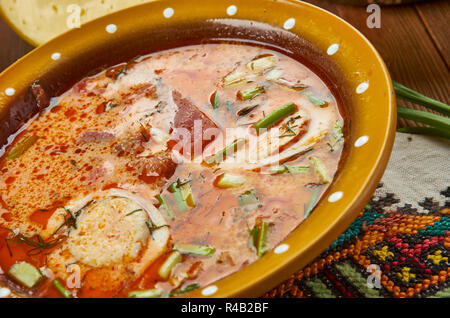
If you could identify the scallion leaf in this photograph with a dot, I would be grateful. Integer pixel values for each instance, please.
(430, 131)
(427, 118)
(408, 94)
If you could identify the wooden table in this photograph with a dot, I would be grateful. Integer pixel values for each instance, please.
(414, 41)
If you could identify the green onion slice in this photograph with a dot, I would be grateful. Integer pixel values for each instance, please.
(61, 289)
(227, 180)
(261, 247)
(316, 100)
(321, 170)
(149, 293)
(289, 169)
(227, 151)
(23, 146)
(276, 116)
(312, 201)
(166, 268)
(261, 63)
(194, 249)
(248, 201)
(250, 93)
(184, 290)
(258, 238)
(234, 77)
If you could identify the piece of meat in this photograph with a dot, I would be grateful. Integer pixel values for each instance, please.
(155, 168)
(130, 146)
(186, 117)
(95, 136)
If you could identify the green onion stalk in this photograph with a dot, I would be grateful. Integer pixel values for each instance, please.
(437, 125)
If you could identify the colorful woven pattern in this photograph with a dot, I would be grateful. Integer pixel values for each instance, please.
(384, 253)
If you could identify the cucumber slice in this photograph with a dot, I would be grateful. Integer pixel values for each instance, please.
(25, 274)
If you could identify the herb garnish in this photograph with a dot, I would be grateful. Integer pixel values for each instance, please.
(74, 164)
(214, 100)
(38, 244)
(144, 132)
(153, 227)
(116, 74)
(71, 220)
(257, 237)
(109, 105)
(316, 100)
(133, 212)
(312, 201)
(296, 155)
(184, 290)
(246, 110)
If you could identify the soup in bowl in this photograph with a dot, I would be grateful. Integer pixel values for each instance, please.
(160, 167)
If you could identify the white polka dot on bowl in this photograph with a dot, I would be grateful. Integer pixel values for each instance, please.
(280, 249)
(289, 24)
(361, 141)
(10, 91)
(362, 87)
(333, 49)
(210, 290)
(111, 28)
(231, 10)
(4, 292)
(56, 56)
(336, 196)
(168, 12)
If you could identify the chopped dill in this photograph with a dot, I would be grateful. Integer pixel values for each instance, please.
(133, 212)
(38, 244)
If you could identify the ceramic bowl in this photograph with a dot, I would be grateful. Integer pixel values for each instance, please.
(329, 45)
